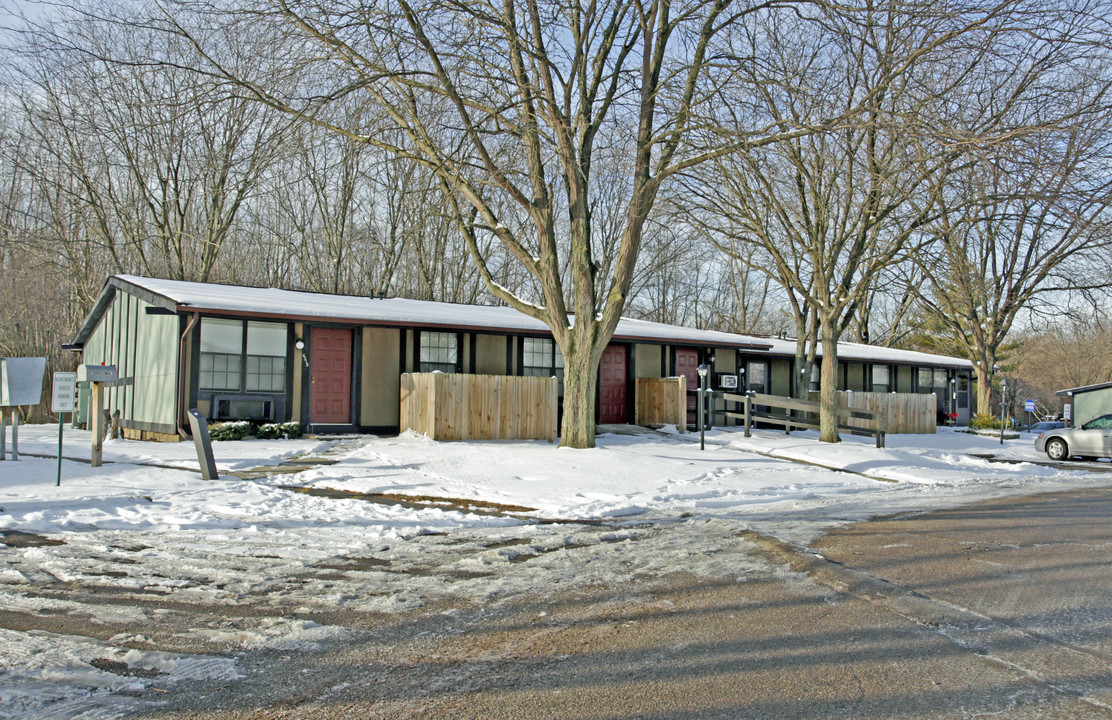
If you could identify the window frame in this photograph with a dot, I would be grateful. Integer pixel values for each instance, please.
(554, 365)
(455, 366)
(243, 357)
(880, 387)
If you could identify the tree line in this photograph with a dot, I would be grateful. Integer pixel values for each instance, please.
(924, 175)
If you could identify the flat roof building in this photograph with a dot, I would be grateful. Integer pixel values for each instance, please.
(334, 362)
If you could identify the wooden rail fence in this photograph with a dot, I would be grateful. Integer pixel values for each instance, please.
(852, 420)
(450, 406)
(661, 401)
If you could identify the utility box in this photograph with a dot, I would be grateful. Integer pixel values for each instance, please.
(84, 397)
(21, 381)
(725, 381)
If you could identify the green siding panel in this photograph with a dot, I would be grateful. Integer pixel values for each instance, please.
(156, 367)
(781, 380)
(144, 350)
(1094, 403)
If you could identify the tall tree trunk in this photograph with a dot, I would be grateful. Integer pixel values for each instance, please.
(828, 391)
(577, 428)
(982, 369)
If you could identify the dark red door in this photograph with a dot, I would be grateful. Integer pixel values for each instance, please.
(330, 369)
(687, 365)
(612, 385)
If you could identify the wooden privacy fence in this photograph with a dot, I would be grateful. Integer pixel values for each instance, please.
(448, 406)
(851, 420)
(903, 412)
(661, 401)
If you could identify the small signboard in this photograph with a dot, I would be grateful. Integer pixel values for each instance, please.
(1067, 412)
(63, 397)
(97, 373)
(21, 381)
(1029, 405)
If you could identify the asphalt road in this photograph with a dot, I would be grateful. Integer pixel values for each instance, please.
(1001, 609)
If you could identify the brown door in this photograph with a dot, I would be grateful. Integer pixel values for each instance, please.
(612, 385)
(330, 369)
(687, 365)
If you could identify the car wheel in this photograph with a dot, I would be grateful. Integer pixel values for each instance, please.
(1056, 449)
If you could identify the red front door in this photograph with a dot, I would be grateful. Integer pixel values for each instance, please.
(687, 365)
(612, 385)
(330, 370)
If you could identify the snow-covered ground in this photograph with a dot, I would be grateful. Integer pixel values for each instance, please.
(145, 527)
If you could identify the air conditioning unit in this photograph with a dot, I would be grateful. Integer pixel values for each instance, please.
(725, 381)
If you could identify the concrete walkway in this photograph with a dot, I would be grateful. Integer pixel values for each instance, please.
(1001, 609)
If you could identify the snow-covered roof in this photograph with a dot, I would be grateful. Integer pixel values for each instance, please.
(851, 351)
(1084, 389)
(273, 302)
(177, 295)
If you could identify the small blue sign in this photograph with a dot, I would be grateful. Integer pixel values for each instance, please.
(1029, 406)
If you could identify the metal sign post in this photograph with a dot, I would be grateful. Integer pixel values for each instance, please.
(1003, 407)
(1029, 406)
(702, 370)
(63, 399)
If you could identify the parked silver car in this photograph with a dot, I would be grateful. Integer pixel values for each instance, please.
(1091, 440)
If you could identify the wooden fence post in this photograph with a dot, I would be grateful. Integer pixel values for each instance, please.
(96, 423)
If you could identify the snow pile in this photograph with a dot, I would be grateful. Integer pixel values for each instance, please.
(389, 524)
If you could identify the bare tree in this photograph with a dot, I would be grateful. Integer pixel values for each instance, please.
(1022, 226)
(834, 210)
(1067, 352)
(157, 160)
(505, 104)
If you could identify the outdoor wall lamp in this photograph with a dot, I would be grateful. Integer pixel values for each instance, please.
(300, 344)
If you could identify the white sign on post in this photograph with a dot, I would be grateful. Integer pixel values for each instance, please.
(20, 384)
(63, 396)
(21, 380)
(1067, 412)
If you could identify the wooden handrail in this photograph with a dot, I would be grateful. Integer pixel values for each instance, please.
(873, 427)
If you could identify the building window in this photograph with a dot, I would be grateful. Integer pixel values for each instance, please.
(439, 351)
(881, 379)
(756, 374)
(229, 346)
(266, 357)
(937, 381)
(541, 357)
(815, 383)
(220, 371)
(221, 354)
